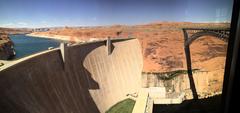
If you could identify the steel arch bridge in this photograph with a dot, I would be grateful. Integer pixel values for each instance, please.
(191, 34)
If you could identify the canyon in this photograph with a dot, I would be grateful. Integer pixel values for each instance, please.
(161, 42)
(103, 65)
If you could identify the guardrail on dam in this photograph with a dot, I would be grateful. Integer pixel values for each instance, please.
(90, 80)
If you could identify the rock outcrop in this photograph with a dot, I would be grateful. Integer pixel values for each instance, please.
(6, 47)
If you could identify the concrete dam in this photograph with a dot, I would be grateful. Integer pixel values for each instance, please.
(85, 78)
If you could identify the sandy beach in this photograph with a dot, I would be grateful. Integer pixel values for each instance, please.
(57, 37)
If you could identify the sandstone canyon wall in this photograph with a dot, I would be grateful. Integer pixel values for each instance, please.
(6, 47)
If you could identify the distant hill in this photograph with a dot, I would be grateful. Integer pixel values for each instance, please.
(16, 30)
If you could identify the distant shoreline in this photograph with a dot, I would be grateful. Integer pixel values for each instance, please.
(56, 37)
(63, 38)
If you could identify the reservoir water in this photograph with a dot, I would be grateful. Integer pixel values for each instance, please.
(27, 45)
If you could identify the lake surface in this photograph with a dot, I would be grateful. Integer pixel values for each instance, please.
(27, 45)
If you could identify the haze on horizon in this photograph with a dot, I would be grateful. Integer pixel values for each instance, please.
(55, 13)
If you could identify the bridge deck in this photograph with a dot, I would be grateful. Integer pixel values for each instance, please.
(210, 28)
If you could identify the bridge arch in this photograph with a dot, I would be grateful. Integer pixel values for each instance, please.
(222, 34)
(205, 33)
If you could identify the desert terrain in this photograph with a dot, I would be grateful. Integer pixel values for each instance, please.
(162, 43)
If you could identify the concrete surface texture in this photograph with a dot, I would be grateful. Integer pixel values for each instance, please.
(141, 102)
(206, 83)
(89, 81)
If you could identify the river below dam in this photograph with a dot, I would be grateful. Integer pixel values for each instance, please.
(27, 45)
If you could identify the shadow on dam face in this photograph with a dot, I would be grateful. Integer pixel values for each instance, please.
(89, 81)
(10, 104)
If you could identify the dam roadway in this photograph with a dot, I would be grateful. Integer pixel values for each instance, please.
(88, 80)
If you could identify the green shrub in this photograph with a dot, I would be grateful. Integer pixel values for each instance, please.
(124, 106)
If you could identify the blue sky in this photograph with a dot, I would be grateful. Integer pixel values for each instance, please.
(51, 13)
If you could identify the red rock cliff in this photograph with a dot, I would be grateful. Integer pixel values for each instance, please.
(6, 47)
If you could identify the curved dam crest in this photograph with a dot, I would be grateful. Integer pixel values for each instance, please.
(88, 81)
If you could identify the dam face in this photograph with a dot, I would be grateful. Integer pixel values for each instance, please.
(89, 80)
